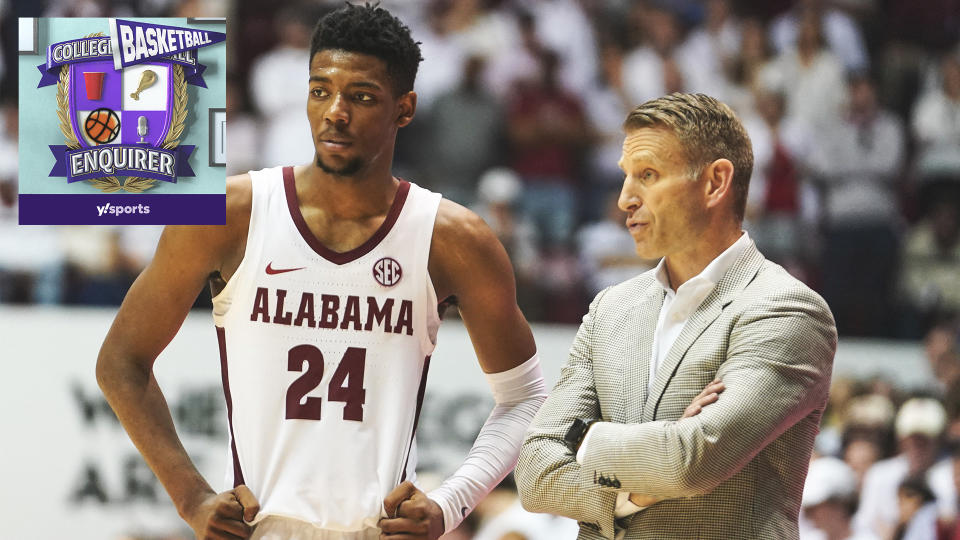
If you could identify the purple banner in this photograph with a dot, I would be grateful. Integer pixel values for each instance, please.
(68, 52)
(126, 209)
(121, 160)
(134, 42)
(78, 50)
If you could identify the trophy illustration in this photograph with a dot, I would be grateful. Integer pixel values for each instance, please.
(146, 81)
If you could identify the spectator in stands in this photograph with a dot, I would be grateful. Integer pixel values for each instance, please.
(443, 55)
(607, 253)
(810, 76)
(654, 68)
(279, 90)
(563, 27)
(467, 136)
(744, 70)
(548, 133)
(780, 203)
(829, 501)
(919, 425)
(99, 270)
(936, 123)
(930, 265)
(841, 32)
(499, 194)
(511, 522)
(858, 163)
(606, 107)
(714, 45)
(949, 527)
(917, 510)
(867, 433)
(31, 258)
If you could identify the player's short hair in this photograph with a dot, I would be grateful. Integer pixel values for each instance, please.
(707, 129)
(370, 29)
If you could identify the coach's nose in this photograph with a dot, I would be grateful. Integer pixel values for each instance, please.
(629, 199)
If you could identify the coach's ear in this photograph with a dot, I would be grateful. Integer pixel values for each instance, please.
(719, 185)
(406, 108)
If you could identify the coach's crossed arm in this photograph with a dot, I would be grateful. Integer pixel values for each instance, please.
(777, 372)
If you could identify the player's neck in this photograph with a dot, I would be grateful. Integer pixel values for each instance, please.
(366, 194)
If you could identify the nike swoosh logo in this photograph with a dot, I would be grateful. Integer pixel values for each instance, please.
(271, 270)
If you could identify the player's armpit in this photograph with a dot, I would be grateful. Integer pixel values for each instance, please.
(468, 261)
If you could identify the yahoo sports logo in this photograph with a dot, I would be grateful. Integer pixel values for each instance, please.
(387, 272)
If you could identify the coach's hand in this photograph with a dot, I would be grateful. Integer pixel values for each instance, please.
(222, 516)
(411, 515)
(709, 395)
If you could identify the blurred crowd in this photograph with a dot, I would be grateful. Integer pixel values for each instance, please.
(853, 107)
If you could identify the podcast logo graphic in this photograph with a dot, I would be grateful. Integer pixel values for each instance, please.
(122, 104)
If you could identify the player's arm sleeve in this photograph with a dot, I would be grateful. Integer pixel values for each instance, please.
(518, 393)
(548, 476)
(777, 372)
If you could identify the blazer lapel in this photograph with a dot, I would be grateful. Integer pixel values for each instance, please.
(636, 370)
(734, 281)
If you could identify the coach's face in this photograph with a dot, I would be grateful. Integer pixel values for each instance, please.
(666, 208)
(354, 112)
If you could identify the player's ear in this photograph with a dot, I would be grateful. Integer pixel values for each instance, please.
(406, 107)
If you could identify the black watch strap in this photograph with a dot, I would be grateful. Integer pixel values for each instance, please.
(576, 433)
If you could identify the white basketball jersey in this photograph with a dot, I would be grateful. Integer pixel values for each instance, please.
(324, 358)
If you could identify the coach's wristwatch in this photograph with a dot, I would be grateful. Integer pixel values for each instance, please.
(576, 433)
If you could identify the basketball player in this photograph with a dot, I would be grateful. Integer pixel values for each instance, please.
(326, 282)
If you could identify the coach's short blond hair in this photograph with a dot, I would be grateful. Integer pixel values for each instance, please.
(707, 129)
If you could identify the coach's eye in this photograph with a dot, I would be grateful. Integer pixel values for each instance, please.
(319, 92)
(363, 96)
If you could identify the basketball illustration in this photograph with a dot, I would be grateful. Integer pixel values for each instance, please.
(102, 125)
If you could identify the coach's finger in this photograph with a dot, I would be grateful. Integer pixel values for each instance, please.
(397, 496)
(715, 387)
(249, 502)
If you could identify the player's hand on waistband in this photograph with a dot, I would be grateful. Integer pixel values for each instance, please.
(223, 516)
(412, 515)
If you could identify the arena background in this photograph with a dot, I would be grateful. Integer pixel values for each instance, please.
(885, 254)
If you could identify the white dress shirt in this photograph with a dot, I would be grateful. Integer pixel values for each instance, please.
(676, 310)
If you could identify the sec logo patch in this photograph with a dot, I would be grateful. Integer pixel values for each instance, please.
(387, 272)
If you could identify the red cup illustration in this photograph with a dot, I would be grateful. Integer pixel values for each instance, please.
(94, 84)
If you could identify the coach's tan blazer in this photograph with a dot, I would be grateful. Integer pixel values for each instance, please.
(736, 470)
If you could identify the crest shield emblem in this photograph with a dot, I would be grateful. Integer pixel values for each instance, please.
(142, 106)
(140, 97)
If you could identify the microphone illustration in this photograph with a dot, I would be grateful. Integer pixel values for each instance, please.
(142, 127)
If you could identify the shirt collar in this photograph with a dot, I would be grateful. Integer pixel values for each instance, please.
(714, 271)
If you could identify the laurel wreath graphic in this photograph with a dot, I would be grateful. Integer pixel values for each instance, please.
(111, 184)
